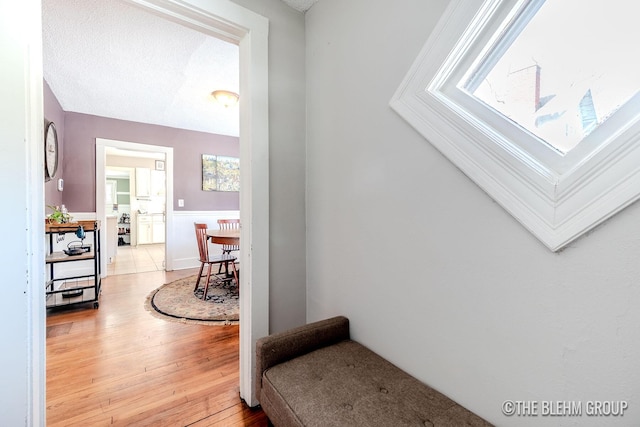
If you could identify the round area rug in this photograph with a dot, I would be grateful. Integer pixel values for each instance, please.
(176, 301)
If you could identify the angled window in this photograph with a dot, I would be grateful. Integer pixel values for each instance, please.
(537, 101)
(549, 78)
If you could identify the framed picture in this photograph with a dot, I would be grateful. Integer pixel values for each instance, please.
(220, 173)
(159, 165)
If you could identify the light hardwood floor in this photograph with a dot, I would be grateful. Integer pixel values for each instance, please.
(118, 365)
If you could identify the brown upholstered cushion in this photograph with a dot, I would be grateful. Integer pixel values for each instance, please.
(346, 384)
(286, 345)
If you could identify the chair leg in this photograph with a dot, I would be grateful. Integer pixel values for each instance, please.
(226, 266)
(199, 276)
(235, 274)
(206, 285)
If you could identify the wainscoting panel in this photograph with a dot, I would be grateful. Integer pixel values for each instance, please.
(185, 250)
(183, 241)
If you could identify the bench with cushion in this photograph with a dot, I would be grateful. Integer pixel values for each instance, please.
(315, 375)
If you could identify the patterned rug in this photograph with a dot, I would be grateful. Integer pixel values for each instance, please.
(177, 302)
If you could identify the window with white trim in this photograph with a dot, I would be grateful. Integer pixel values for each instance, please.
(537, 101)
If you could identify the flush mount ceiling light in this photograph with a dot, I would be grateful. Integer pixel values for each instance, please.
(225, 97)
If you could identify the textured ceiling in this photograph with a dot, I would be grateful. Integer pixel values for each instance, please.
(109, 58)
(113, 59)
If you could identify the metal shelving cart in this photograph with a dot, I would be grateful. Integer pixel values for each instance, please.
(79, 286)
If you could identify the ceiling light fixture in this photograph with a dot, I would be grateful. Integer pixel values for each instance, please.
(225, 97)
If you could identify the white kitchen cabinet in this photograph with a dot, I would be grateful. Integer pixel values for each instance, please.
(145, 229)
(151, 229)
(157, 184)
(158, 229)
(110, 191)
(143, 182)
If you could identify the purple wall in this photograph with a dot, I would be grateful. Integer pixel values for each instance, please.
(78, 165)
(53, 113)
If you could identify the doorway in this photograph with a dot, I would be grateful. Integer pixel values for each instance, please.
(147, 218)
(136, 228)
(250, 30)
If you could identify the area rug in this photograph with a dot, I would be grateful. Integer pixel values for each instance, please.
(177, 302)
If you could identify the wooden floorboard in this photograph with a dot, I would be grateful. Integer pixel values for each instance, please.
(118, 365)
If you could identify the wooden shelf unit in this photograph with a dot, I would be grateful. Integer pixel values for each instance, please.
(71, 289)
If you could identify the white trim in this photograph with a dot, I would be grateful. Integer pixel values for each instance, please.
(101, 159)
(34, 176)
(556, 198)
(231, 214)
(254, 200)
(234, 23)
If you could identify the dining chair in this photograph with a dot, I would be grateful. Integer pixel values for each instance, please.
(228, 224)
(206, 258)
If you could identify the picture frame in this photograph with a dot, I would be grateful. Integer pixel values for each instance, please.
(220, 173)
(159, 165)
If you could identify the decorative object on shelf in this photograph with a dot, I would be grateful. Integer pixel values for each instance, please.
(60, 215)
(220, 173)
(73, 248)
(50, 151)
(226, 97)
(80, 233)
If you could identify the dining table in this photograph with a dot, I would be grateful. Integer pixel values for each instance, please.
(224, 237)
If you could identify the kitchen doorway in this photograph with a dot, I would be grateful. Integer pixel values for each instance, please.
(138, 222)
(135, 223)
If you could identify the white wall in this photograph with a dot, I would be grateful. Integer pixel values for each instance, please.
(287, 242)
(22, 256)
(432, 273)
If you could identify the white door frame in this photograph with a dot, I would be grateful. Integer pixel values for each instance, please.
(101, 177)
(231, 22)
(234, 23)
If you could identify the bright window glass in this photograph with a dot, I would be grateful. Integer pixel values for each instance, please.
(562, 71)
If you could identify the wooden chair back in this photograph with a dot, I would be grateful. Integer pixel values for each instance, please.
(203, 245)
(229, 224)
